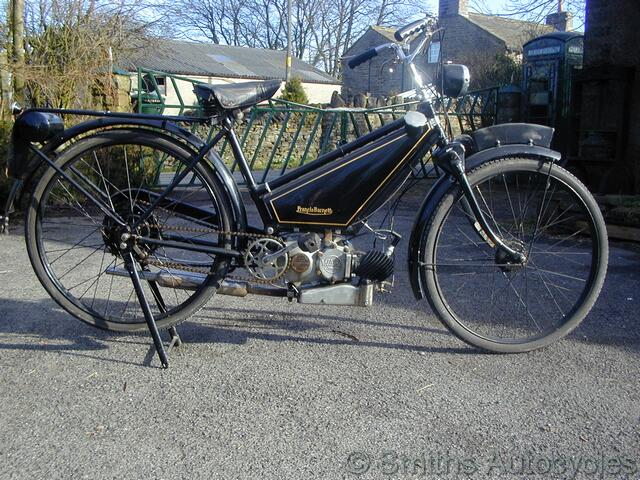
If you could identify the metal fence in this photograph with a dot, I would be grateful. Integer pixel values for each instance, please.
(278, 135)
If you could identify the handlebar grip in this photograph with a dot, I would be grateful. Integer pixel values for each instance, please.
(363, 57)
(411, 29)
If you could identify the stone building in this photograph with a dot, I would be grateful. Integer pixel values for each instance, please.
(470, 38)
(609, 97)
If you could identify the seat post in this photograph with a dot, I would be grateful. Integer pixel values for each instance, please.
(245, 170)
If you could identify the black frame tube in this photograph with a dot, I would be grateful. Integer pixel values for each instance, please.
(105, 209)
(176, 181)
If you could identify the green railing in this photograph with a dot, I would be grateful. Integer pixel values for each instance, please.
(148, 96)
(278, 136)
(476, 109)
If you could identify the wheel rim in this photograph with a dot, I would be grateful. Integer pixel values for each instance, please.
(75, 244)
(496, 301)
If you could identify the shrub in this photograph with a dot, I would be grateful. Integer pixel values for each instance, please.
(294, 92)
(5, 183)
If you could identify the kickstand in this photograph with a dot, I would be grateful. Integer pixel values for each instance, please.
(148, 316)
(175, 341)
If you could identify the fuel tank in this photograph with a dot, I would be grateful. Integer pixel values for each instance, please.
(343, 191)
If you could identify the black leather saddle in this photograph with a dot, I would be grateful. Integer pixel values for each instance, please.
(235, 95)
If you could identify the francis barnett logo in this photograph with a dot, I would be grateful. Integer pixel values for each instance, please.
(314, 210)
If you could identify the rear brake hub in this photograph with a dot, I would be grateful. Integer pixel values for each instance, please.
(121, 240)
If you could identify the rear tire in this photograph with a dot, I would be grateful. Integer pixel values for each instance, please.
(501, 307)
(59, 215)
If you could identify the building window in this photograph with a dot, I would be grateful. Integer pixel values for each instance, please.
(162, 85)
(148, 86)
(433, 54)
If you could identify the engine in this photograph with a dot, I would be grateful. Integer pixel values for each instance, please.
(316, 260)
(313, 260)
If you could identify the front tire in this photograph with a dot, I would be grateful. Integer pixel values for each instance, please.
(540, 209)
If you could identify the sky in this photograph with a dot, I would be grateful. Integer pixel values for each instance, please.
(496, 6)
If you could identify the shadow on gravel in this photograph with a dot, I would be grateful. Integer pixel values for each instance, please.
(219, 329)
(43, 326)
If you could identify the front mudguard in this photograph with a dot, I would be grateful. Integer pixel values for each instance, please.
(440, 189)
(23, 184)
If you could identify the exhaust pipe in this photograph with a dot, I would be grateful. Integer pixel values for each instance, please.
(182, 280)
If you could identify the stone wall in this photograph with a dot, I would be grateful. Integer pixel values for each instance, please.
(373, 77)
(611, 90)
(465, 42)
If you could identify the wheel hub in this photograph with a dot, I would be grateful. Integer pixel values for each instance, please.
(121, 240)
(509, 262)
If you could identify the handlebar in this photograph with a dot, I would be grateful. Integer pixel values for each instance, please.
(363, 57)
(401, 35)
(413, 28)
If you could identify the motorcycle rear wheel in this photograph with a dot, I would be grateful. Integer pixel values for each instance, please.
(72, 245)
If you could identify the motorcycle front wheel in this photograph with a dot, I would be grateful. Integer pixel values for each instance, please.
(487, 300)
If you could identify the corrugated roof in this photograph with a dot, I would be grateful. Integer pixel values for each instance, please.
(513, 32)
(208, 59)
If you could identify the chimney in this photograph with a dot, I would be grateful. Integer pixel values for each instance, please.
(451, 8)
(560, 21)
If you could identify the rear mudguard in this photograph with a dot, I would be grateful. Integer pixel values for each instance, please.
(442, 186)
(159, 127)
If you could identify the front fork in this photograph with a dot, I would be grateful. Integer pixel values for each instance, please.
(451, 159)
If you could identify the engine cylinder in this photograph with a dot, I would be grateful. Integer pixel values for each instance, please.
(375, 266)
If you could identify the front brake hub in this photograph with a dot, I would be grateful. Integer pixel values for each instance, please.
(507, 261)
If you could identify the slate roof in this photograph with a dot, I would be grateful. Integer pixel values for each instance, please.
(208, 59)
(386, 32)
(513, 32)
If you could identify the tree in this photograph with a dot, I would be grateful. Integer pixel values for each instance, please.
(17, 42)
(322, 30)
(73, 45)
(294, 92)
(490, 70)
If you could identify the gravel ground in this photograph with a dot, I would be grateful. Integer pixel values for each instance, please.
(269, 390)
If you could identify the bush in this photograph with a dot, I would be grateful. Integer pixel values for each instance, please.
(493, 70)
(5, 183)
(294, 92)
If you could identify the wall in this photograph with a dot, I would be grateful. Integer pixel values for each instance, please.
(373, 76)
(611, 38)
(467, 43)
(464, 42)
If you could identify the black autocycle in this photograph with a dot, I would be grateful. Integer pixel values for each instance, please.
(509, 248)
